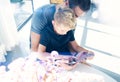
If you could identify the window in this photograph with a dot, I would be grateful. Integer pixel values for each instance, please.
(23, 10)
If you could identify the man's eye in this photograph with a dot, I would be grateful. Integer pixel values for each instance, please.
(76, 15)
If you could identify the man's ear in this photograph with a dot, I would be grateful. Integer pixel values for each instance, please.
(66, 2)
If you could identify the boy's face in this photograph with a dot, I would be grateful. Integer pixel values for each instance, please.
(60, 28)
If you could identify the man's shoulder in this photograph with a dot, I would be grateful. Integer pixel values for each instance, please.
(46, 7)
(46, 12)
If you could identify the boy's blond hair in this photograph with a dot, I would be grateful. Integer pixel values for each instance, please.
(66, 17)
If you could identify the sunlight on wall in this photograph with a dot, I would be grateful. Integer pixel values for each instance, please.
(108, 11)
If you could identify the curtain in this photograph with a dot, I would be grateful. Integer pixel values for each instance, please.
(8, 29)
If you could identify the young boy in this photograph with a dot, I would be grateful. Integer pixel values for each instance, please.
(59, 36)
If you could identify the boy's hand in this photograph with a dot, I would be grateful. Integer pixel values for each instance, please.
(83, 56)
(91, 55)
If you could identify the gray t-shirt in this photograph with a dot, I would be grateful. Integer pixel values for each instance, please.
(42, 17)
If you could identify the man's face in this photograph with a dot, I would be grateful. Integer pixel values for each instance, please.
(78, 12)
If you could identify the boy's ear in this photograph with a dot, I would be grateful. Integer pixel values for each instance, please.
(53, 22)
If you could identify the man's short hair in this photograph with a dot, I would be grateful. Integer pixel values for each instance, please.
(65, 16)
(83, 4)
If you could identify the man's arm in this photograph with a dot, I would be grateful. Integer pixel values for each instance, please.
(37, 24)
(35, 38)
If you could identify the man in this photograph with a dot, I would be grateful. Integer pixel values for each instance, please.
(59, 36)
(43, 17)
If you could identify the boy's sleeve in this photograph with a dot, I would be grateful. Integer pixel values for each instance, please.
(71, 34)
(44, 40)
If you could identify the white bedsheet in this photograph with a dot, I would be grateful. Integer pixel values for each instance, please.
(30, 70)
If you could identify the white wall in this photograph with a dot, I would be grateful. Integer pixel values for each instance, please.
(108, 11)
(38, 3)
